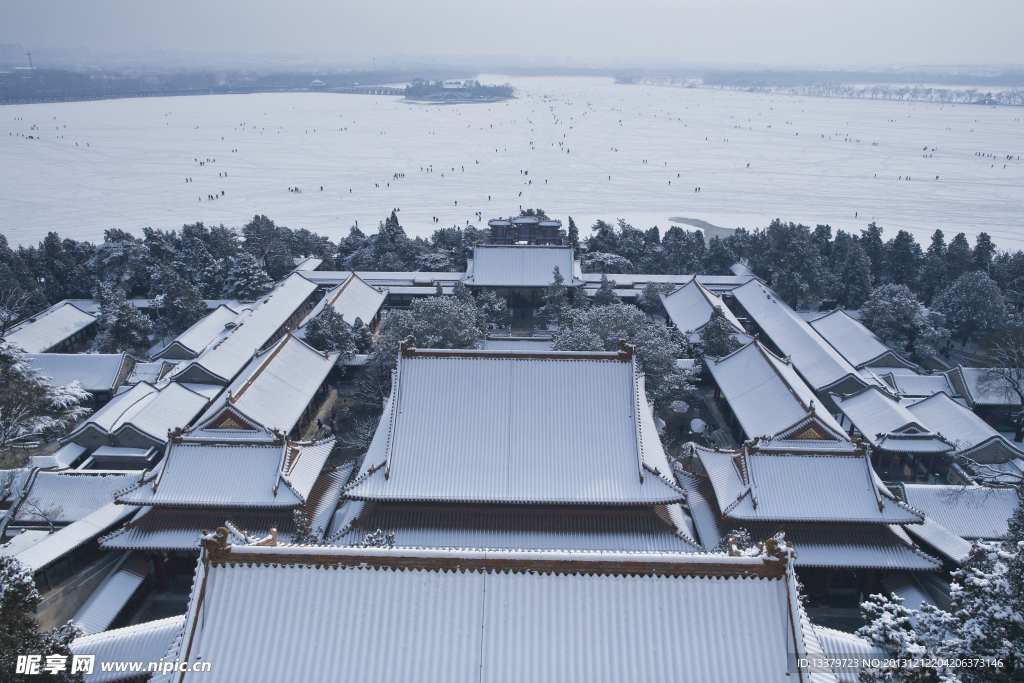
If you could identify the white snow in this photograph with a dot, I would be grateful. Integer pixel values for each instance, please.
(132, 157)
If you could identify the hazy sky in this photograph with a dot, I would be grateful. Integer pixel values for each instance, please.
(743, 32)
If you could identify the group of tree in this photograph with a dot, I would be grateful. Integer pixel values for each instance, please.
(986, 622)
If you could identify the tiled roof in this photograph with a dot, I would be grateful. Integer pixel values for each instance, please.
(856, 343)
(352, 299)
(49, 328)
(960, 426)
(232, 475)
(70, 495)
(971, 512)
(147, 410)
(196, 339)
(888, 425)
(690, 307)
(146, 642)
(753, 377)
(819, 364)
(63, 541)
(537, 529)
(948, 544)
(520, 265)
(221, 362)
(864, 546)
(982, 387)
(751, 486)
(110, 597)
(516, 427)
(274, 389)
(685, 621)
(94, 371)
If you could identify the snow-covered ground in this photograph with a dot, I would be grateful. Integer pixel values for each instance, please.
(593, 149)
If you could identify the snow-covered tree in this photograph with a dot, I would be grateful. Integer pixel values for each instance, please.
(556, 296)
(855, 277)
(493, 307)
(123, 327)
(602, 262)
(657, 347)
(246, 279)
(720, 258)
(379, 539)
(972, 304)
(573, 236)
(716, 339)
(121, 262)
(304, 533)
(907, 635)
(328, 331)
(902, 322)
(605, 295)
(650, 301)
(1005, 351)
(362, 337)
(19, 634)
(435, 261)
(31, 404)
(179, 303)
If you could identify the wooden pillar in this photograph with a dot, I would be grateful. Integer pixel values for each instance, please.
(161, 572)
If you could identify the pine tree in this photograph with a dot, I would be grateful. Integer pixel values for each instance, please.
(720, 258)
(556, 296)
(871, 243)
(246, 279)
(959, 257)
(899, 320)
(606, 292)
(462, 292)
(180, 304)
(493, 307)
(717, 338)
(972, 304)
(902, 260)
(328, 331)
(984, 250)
(362, 337)
(855, 278)
(122, 326)
(574, 237)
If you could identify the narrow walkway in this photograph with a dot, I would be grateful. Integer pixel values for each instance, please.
(311, 430)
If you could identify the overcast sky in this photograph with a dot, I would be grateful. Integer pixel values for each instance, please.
(815, 33)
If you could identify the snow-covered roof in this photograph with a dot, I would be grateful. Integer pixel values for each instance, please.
(145, 642)
(94, 371)
(962, 427)
(70, 495)
(888, 425)
(220, 363)
(517, 427)
(146, 410)
(303, 263)
(274, 389)
(45, 330)
(690, 307)
(543, 529)
(504, 616)
(352, 299)
(981, 387)
(971, 512)
(67, 539)
(752, 486)
(216, 325)
(856, 343)
(497, 265)
(846, 646)
(497, 343)
(113, 593)
(191, 474)
(912, 385)
(948, 544)
(753, 377)
(819, 364)
(386, 279)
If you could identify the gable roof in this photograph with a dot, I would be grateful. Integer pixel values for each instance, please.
(220, 363)
(230, 474)
(45, 330)
(70, 495)
(516, 427)
(889, 425)
(690, 307)
(980, 388)
(970, 512)
(820, 364)
(502, 616)
(909, 384)
(754, 486)
(146, 410)
(960, 426)
(94, 371)
(752, 378)
(205, 331)
(146, 642)
(274, 389)
(498, 265)
(65, 540)
(855, 342)
(352, 299)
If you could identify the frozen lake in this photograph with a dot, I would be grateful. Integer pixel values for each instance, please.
(592, 149)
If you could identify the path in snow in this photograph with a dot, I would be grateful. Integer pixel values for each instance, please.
(124, 163)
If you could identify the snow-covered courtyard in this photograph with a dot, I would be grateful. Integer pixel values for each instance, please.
(592, 149)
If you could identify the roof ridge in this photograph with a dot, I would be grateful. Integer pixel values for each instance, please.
(252, 378)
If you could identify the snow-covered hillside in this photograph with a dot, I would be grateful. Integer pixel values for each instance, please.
(592, 149)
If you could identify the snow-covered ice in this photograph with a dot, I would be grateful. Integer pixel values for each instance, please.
(593, 149)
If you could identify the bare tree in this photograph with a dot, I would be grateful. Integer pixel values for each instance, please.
(49, 514)
(1005, 351)
(7, 483)
(13, 304)
(361, 434)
